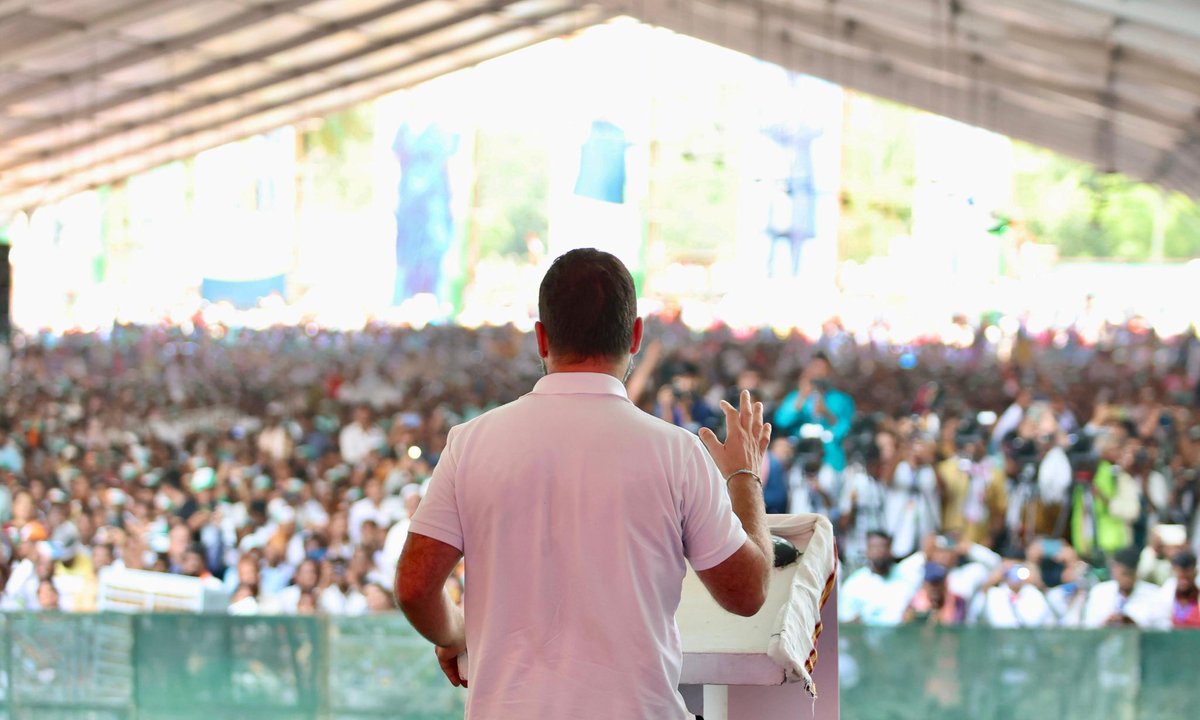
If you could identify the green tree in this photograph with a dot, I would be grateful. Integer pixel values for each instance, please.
(336, 163)
(512, 191)
(1090, 214)
(878, 176)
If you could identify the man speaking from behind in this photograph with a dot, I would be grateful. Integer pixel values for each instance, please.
(575, 512)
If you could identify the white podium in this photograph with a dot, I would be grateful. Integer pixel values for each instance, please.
(755, 668)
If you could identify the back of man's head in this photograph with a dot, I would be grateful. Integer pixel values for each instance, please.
(588, 306)
(1127, 558)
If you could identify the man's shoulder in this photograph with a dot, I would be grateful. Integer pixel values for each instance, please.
(644, 422)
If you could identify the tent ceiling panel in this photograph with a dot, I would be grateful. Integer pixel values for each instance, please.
(500, 40)
(1096, 79)
(188, 18)
(93, 90)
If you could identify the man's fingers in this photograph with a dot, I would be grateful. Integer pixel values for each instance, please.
(745, 411)
(450, 668)
(756, 423)
(731, 416)
(764, 438)
(709, 438)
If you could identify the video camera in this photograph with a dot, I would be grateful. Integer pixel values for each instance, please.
(1025, 455)
(1083, 457)
(810, 454)
(860, 441)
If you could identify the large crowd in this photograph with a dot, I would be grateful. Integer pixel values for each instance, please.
(1010, 479)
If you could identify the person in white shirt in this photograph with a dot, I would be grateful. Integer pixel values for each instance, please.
(1125, 600)
(287, 601)
(1012, 417)
(371, 507)
(361, 437)
(813, 485)
(1069, 600)
(913, 505)
(861, 508)
(575, 513)
(393, 543)
(1011, 601)
(968, 565)
(879, 593)
(340, 597)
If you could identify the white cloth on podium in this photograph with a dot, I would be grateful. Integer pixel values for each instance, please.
(794, 645)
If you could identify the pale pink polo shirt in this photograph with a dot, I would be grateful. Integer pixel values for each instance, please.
(575, 511)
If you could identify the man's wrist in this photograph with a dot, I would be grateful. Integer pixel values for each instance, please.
(743, 473)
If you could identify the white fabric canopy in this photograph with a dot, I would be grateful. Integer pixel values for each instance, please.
(93, 91)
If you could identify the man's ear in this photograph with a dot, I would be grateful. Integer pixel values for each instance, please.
(638, 330)
(543, 343)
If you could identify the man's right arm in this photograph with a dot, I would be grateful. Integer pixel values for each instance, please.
(739, 583)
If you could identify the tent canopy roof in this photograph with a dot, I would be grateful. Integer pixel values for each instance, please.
(92, 91)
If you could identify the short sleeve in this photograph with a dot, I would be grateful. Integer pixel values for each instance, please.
(711, 531)
(437, 515)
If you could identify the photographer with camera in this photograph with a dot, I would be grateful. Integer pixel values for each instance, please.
(1099, 517)
(1040, 479)
(815, 401)
(861, 507)
(913, 506)
(975, 492)
(814, 486)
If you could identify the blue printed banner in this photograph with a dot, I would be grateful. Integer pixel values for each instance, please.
(242, 294)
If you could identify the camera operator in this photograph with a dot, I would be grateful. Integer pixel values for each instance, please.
(913, 505)
(813, 483)
(974, 489)
(861, 507)
(816, 401)
(1095, 527)
(1039, 478)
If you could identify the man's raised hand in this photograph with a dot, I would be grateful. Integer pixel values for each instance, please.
(746, 437)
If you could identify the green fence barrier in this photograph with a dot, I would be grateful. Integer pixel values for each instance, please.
(208, 667)
(927, 673)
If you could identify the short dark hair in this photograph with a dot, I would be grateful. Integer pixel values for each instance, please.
(1127, 557)
(1185, 560)
(879, 534)
(587, 304)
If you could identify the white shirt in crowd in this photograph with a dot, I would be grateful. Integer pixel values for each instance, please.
(356, 443)
(873, 599)
(1143, 606)
(1068, 604)
(393, 543)
(1008, 421)
(1027, 607)
(575, 512)
(332, 601)
(364, 510)
(802, 499)
(963, 580)
(911, 507)
(1054, 475)
(869, 496)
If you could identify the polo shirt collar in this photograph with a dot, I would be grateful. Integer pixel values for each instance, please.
(580, 383)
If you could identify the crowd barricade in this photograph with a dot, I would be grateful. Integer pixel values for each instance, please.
(118, 666)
